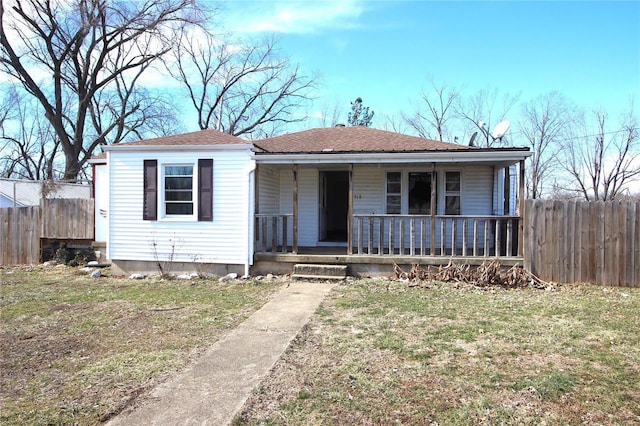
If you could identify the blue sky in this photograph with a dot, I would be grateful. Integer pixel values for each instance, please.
(386, 51)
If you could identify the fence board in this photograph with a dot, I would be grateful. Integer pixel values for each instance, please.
(629, 249)
(597, 242)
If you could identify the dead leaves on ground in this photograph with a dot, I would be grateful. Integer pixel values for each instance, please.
(489, 274)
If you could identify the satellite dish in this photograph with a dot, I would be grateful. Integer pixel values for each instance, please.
(500, 129)
(473, 138)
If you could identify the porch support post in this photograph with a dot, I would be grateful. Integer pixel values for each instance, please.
(295, 209)
(507, 191)
(433, 209)
(350, 213)
(521, 210)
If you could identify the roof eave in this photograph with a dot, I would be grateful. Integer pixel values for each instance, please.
(453, 156)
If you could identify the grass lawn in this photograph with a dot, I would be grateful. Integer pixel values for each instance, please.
(75, 350)
(386, 353)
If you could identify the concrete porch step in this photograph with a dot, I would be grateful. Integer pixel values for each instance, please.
(319, 272)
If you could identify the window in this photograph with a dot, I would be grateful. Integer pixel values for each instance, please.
(416, 194)
(178, 190)
(452, 193)
(394, 193)
(419, 193)
(183, 189)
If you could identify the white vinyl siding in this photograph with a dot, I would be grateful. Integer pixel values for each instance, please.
(477, 190)
(368, 190)
(223, 240)
(268, 189)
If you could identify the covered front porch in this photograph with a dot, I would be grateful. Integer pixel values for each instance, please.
(291, 201)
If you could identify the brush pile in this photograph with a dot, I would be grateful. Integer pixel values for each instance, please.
(489, 274)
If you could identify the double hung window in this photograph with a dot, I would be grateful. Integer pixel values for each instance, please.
(394, 193)
(452, 193)
(178, 190)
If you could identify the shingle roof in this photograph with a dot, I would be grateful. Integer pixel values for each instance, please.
(200, 137)
(351, 139)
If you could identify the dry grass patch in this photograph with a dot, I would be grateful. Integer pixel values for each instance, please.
(76, 350)
(387, 353)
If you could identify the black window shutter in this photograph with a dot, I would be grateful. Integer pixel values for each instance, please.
(205, 189)
(150, 203)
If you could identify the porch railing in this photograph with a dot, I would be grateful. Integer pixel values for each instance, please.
(271, 232)
(413, 235)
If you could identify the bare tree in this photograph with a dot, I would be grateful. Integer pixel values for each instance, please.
(544, 119)
(603, 162)
(330, 115)
(71, 56)
(483, 110)
(28, 144)
(238, 88)
(393, 123)
(434, 111)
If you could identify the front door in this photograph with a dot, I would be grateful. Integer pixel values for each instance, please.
(334, 206)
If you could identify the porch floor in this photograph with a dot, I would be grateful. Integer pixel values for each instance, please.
(341, 250)
(363, 264)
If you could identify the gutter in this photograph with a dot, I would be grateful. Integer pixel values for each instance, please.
(250, 212)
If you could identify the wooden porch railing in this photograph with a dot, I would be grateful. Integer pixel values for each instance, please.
(413, 235)
(407, 235)
(271, 232)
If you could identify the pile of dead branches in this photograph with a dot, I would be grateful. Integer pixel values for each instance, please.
(489, 274)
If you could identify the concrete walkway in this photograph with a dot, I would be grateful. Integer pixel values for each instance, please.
(214, 388)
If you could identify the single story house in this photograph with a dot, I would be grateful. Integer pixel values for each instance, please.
(358, 196)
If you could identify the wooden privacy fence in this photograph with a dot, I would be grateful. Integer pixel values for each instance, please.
(22, 229)
(576, 241)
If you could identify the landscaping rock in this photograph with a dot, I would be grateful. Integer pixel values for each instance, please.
(228, 277)
(184, 277)
(96, 274)
(137, 276)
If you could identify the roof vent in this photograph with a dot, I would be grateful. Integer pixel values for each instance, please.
(339, 125)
